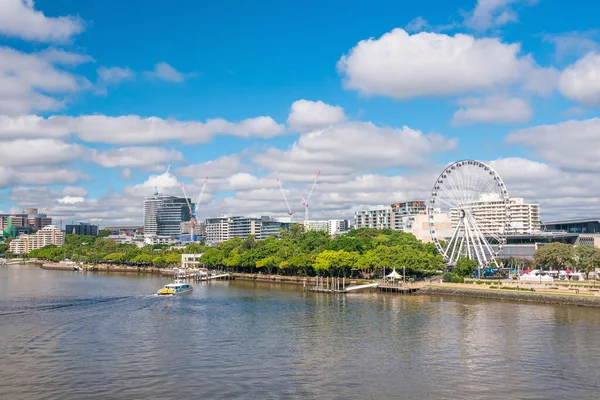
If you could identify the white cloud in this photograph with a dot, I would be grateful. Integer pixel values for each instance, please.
(133, 129)
(222, 167)
(489, 14)
(32, 82)
(135, 157)
(126, 174)
(351, 146)
(571, 44)
(570, 145)
(70, 200)
(416, 25)
(581, 81)
(573, 112)
(62, 57)
(23, 152)
(166, 72)
(493, 109)
(114, 75)
(19, 18)
(306, 115)
(404, 66)
(39, 175)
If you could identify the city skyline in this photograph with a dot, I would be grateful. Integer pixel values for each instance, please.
(100, 98)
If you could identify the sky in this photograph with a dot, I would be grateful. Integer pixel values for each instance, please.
(97, 99)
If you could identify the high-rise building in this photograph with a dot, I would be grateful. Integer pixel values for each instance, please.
(48, 235)
(271, 226)
(243, 227)
(163, 215)
(82, 228)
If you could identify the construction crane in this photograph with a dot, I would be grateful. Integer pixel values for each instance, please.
(192, 216)
(193, 211)
(200, 197)
(305, 200)
(290, 212)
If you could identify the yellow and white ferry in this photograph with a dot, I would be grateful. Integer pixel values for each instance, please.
(176, 288)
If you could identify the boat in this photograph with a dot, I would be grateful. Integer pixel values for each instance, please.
(175, 288)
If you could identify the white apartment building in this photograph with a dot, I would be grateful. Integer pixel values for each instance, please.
(217, 229)
(331, 226)
(48, 235)
(379, 218)
(490, 213)
(316, 225)
(418, 225)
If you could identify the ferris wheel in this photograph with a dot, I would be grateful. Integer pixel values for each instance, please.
(469, 213)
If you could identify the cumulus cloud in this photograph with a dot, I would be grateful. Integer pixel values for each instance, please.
(493, 109)
(306, 115)
(580, 82)
(20, 19)
(133, 129)
(166, 72)
(571, 145)
(70, 200)
(351, 146)
(33, 82)
(39, 175)
(573, 44)
(404, 66)
(135, 157)
(38, 152)
(222, 167)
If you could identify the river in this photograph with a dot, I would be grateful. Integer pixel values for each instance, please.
(75, 335)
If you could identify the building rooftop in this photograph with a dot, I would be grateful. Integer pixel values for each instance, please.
(572, 221)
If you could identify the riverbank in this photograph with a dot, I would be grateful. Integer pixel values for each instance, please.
(523, 295)
(107, 268)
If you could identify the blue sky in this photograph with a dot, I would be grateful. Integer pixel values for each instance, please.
(377, 96)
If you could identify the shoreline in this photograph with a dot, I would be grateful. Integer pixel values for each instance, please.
(571, 299)
(513, 295)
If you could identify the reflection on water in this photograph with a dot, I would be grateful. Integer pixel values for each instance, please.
(71, 335)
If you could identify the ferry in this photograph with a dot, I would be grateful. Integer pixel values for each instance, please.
(176, 288)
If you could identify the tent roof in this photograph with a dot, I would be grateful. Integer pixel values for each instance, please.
(393, 274)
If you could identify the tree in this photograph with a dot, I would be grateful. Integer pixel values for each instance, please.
(465, 267)
(585, 256)
(103, 233)
(212, 257)
(554, 255)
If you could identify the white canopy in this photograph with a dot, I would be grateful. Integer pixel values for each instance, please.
(394, 275)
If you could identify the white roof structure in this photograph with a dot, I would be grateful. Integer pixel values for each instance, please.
(393, 275)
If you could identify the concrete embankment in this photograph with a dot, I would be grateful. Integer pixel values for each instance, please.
(295, 280)
(503, 294)
(109, 269)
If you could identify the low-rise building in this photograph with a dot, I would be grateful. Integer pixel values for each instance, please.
(243, 227)
(217, 229)
(48, 235)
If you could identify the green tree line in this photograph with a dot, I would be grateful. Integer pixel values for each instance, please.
(364, 252)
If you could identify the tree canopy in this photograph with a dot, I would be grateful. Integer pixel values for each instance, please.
(362, 252)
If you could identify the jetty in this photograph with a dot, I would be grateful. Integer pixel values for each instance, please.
(337, 285)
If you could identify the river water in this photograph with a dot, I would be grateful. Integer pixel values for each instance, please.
(75, 335)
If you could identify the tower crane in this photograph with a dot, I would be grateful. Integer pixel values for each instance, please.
(290, 212)
(305, 200)
(194, 210)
